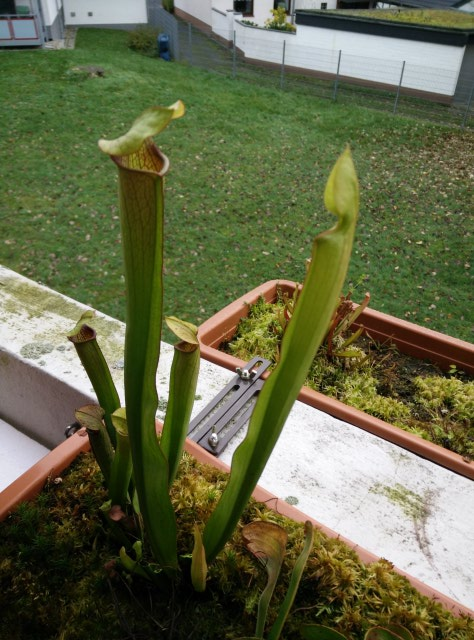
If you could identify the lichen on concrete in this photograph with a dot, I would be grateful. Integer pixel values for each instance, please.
(34, 350)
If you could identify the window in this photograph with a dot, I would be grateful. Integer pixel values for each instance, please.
(282, 3)
(324, 5)
(244, 6)
(7, 6)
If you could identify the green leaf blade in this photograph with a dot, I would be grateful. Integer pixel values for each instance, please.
(304, 334)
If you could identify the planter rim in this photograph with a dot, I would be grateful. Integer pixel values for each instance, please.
(28, 485)
(413, 339)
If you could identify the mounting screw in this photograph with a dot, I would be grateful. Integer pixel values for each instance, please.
(71, 429)
(245, 374)
(213, 440)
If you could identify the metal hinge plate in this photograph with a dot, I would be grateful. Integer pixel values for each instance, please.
(230, 410)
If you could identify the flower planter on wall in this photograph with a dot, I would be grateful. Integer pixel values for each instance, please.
(27, 487)
(409, 338)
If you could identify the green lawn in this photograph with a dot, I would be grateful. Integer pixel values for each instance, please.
(244, 193)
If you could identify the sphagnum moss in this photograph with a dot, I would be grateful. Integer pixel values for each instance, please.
(58, 578)
(438, 407)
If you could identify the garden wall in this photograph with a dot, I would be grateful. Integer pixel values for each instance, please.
(416, 64)
(411, 57)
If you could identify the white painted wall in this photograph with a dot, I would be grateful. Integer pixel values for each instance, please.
(428, 66)
(104, 12)
(201, 9)
(314, 4)
(50, 9)
(261, 44)
(425, 59)
(223, 23)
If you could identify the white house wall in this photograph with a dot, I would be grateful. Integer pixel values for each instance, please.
(203, 9)
(76, 12)
(50, 10)
(314, 4)
(373, 52)
(200, 9)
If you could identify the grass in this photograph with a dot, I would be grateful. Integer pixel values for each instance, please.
(244, 193)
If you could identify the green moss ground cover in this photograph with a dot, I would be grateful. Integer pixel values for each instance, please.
(451, 19)
(244, 193)
(59, 578)
(410, 393)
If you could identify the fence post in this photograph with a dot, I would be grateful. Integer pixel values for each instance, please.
(234, 56)
(336, 81)
(398, 89)
(466, 113)
(282, 73)
(190, 42)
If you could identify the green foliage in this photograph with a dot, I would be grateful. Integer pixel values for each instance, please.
(142, 468)
(449, 402)
(143, 39)
(360, 390)
(279, 21)
(330, 257)
(426, 17)
(448, 397)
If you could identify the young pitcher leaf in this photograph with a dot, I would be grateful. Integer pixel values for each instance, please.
(119, 420)
(267, 541)
(90, 416)
(198, 563)
(303, 336)
(185, 331)
(148, 124)
(295, 579)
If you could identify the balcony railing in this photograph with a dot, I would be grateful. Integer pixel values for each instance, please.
(20, 30)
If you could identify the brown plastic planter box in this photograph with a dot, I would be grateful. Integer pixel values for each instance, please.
(27, 486)
(408, 337)
(30, 483)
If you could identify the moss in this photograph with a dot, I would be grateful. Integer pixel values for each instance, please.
(412, 504)
(378, 380)
(59, 579)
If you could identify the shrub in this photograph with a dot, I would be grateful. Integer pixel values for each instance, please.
(143, 39)
(279, 21)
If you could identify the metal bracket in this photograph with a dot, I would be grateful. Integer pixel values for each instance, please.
(230, 410)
